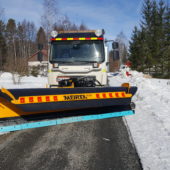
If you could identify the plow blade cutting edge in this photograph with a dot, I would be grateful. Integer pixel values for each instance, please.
(31, 108)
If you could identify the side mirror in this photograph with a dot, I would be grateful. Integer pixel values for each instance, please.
(115, 45)
(40, 55)
(40, 46)
(107, 63)
(116, 54)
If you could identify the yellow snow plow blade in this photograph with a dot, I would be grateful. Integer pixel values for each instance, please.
(63, 104)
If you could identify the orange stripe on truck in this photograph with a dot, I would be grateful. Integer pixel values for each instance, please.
(70, 97)
(80, 38)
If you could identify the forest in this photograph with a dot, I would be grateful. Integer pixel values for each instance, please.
(149, 48)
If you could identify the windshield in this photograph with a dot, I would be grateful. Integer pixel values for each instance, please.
(77, 51)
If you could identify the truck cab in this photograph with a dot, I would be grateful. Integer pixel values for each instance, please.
(78, 58)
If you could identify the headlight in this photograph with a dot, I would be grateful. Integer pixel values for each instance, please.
(55, 65)
(95, 65)
(98, 33)
(54, 34)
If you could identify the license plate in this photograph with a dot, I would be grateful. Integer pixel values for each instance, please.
(60, 78)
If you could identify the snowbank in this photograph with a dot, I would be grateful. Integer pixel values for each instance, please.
(26, 82)
(150, 126)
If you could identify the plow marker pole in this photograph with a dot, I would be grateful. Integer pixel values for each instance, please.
(63, 121)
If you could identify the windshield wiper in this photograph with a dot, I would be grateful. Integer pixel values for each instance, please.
(84, 61)
(61, 62)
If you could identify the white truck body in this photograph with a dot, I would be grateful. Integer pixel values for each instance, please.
(65, 70)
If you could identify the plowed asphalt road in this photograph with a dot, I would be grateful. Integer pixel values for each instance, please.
(93, 145)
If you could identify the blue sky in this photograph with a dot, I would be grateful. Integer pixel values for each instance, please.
(112, 15)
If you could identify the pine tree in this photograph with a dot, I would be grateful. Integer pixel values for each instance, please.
(3, 47)
(154, 33)
(133, 49)
(3, 51)
(166, 51)
(11, 37)
(146, 15)
(160, 36)
(149, 46)
(41, 37)
(2, 26)
(41, 42)
(82, 26)
(147, 33)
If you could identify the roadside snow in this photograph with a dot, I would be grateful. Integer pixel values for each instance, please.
(26, 82)
(150, 126)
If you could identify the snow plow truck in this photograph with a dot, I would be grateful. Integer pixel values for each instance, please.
(77, 86)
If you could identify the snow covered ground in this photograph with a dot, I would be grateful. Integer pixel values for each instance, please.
(26, 82)
(150, 126)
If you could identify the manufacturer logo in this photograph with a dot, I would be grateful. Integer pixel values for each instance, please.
(75, 97)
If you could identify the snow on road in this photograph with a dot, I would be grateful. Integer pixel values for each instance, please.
(150, 126)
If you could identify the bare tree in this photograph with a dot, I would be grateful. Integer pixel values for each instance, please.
(17, 70)
(67, 23)
(83, 26)
(49, 17)
(30, 37)
(20, 40)
(74, 27)
(26, 35)
(122, 40)
(2, 13)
